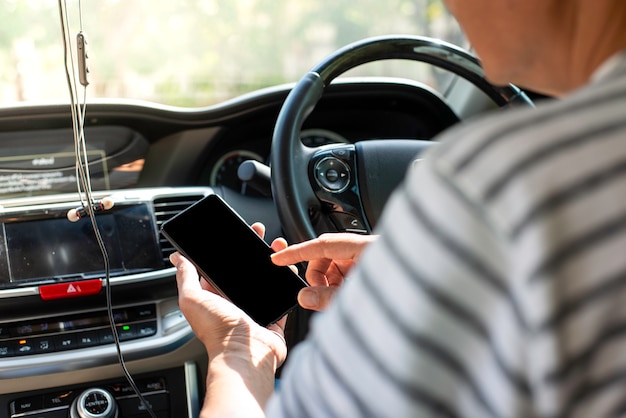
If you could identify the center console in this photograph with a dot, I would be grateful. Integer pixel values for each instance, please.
(58, 356)
(164, 391)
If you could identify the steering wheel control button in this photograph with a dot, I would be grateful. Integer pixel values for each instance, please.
(332, 174)
(70, 289)
(94, 403)
(342, 152)
(347, 222)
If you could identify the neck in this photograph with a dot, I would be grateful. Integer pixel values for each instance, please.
(592, 32)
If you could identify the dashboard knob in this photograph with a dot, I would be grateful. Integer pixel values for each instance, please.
(94, 403)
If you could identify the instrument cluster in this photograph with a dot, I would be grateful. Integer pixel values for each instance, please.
(224, 170)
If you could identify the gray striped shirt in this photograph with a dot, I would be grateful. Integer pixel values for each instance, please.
(498, 286)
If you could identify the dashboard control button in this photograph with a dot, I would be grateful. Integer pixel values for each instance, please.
(87, 339)
(25, 347)
(132, 406)
(143, 312)
(58, 399)
(66, 342)
(152, 385)
(94, 403)
(44, 345)
(105, 336)
(121, 389)
(26, 405)
(127, 332)
(146, 329)
(70, 290)
(7, 349)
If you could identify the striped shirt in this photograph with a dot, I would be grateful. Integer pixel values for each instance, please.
(498, 285)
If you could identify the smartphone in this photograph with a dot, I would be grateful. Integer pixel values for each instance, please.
(234, 259)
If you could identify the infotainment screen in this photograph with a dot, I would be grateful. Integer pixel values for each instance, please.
(43, 162)
(28, 175)
(49, 249)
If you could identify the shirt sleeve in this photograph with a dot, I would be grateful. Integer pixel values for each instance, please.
(426, 324)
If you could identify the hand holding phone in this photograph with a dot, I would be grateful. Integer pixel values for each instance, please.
(234, 259)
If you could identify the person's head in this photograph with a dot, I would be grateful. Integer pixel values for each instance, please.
(551, 46)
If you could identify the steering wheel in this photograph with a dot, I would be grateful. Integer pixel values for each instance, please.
(343, 187)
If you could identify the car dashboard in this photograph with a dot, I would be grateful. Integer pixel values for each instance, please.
(56, 344)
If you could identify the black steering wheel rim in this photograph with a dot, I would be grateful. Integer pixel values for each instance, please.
(291, 189)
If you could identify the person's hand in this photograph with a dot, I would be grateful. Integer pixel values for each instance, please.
(330, 257)
(243, 356)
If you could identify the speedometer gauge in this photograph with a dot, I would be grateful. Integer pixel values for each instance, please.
(224, 173)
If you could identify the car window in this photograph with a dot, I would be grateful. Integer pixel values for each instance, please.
(199, 52)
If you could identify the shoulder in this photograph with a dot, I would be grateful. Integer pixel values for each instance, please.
(515, 154)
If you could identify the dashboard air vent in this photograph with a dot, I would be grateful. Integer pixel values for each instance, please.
(164, 209)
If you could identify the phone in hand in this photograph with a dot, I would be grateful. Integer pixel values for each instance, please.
(234, 259)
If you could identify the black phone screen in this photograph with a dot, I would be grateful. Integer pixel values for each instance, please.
(228, 253)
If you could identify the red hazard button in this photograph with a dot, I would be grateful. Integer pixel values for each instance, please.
(70, 290)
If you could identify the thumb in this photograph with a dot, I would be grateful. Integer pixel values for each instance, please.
(186, 275)
(316, 298)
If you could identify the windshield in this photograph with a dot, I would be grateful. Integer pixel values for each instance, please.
(199, 52)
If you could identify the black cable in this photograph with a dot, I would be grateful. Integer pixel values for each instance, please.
(120, 355)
